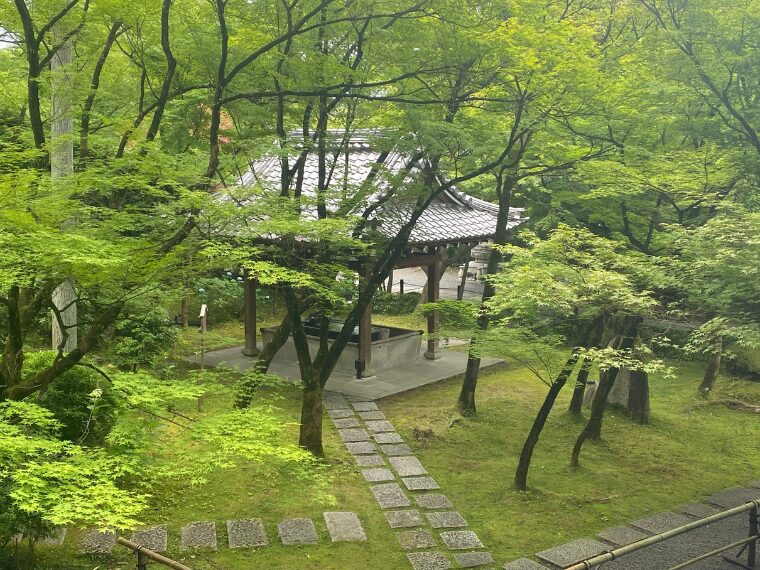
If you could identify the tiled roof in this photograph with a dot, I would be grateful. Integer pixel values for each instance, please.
(453, 217)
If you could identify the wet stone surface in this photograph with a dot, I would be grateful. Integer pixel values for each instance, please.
(378, 474)
(246, 533)
(198, 534)
(95, 542)
(415, 539)
(428, 561)
(403, 519)
(572, 552)
(420, 483)
(407, 466)
(433, 501)
(387, 437)
(153, 538)
(461, 540)
(390, 496)
(473, 559)
(361, 448)
(352, 435)
(396, 449)
(446, 519)
(344, 527)
(369, 460)
(294, 532)
(622, 535)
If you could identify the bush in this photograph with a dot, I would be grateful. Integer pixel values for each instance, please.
(145, 336)
(394, 303)
(80, 399)
(222, 295)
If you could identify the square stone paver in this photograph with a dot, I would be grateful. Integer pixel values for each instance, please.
(361, 448)
(415, 539)
(396, 449)
(734, 497)
(96, 542)
(407, 466)
(369, 460)
(336, 402)
(246, 533)
(420, 483)
(660, 522)
(433, 501)
(373, 415)
(344, 423)
(404, 519)
(572, 552)
(198, 534)
(365, 406)
(461, 540)
(428, 561)
(698, 510)
(378, 474)
(622, 535)
(294, 532)
(523, 564)
(473, 559)
(379, 426)
(342, 413)
(352, 435)
(446, 519)
(345, 527)
(387, 437)
(153, 538)
(390, 496)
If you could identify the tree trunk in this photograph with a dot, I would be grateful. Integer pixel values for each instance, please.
(713, 368)
(638, 396)
(576, 403)
(521, 475)
(310, 436)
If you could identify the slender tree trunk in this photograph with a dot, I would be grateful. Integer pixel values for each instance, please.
(576, 403)
(713, 368)
(521, 475)
(638, 396)
(310, 436)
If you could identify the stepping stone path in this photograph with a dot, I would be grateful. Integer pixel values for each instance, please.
(155, 538)
(345, 527)
(396, 476)
(96, 542)
(199, 534)
(246, 533)
(295, 532)
(661, 522)
(572, 552)
(622, 536)
(524, 564)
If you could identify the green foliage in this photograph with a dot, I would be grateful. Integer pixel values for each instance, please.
(222, 295)
(395, 303)
(146, 334)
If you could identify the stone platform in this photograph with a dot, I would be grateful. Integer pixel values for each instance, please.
(406, 376)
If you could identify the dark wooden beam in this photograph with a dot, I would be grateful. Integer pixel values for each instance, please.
(433, 294)
(249, 297)
(419, 260)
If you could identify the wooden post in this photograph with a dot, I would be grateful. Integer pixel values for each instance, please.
(249, 295)
(401, 286)
(389, 289)
(433, 289)
(460, 289)
(365, 331)
(202, 330)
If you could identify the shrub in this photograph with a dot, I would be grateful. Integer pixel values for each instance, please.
(395, 303)
(222, 295)
(147, 335)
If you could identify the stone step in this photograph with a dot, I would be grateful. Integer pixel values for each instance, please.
(246, 533)
(297, 532)
(344, 527)
(198, 534)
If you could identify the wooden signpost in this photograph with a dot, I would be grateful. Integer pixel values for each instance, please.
(202, 330)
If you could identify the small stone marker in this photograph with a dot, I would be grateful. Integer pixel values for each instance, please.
(343, 423)
(378, 474)
(351, 435)
(341, 413)
(446, 519)
(572, 552)
(374, 415)
(387, 437)
(433, 501)
(390, 496)
(415, 539)
(461, 540)
(198, 534)
(96, 542)
(361, 448)
(365, 406)
(345, 527)
(407, 466)
(698, 510)
(56, 537)
(396, 449)
(420, 483)
(153, 538)
(473, 559)
(369, 460)
(294, 532)
(734, 497)
(378, 426)
(246, 533)
(428, 561)
(622, 535)
(403, 519)
(523, 564)
(660, 522)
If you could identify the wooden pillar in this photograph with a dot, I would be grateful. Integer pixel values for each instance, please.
(433, 290)
(249, 312)
(365, 328)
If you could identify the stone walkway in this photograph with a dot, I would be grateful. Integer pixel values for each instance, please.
(667, 553)
(432, 532)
